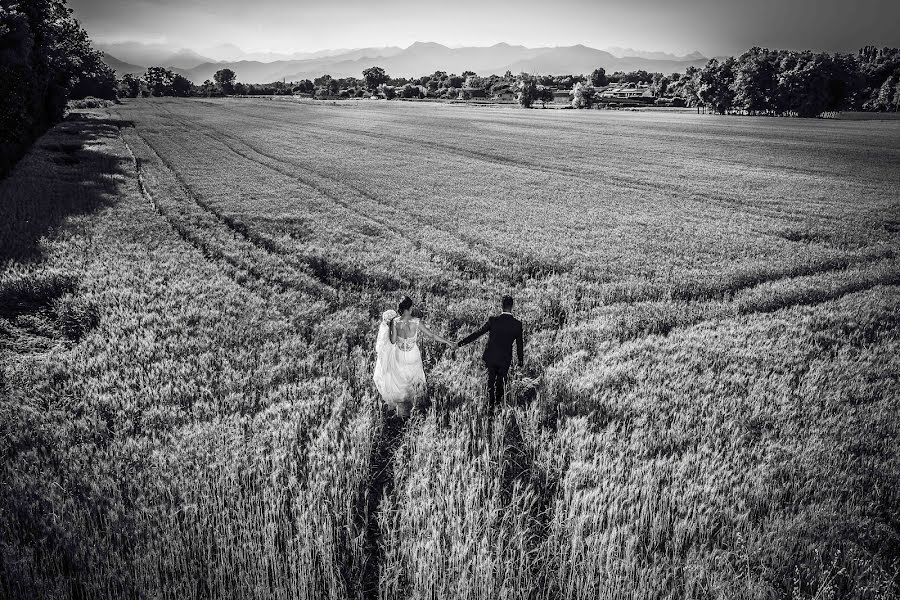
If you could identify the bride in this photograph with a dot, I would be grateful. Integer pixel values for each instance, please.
(399, 375)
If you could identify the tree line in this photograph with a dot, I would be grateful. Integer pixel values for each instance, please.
(758, 82)
(783, 82)
(46, 58)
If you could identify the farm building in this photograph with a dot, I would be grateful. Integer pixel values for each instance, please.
(562, 96)
(504, 94)
(624, 92)
(475, 92)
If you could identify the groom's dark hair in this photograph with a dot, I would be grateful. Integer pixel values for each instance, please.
(507, 302)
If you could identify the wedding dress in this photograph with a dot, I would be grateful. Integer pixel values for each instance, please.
(399, 375)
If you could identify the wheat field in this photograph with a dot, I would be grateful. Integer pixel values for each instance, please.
(709, 405)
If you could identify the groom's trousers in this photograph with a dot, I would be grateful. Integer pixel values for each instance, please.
(496, 380)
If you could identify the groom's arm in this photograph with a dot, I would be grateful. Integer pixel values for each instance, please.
(520, 346)
(476, 334)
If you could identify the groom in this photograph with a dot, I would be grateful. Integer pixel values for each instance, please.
(502, 330)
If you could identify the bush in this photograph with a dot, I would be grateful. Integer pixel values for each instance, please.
(90, 102)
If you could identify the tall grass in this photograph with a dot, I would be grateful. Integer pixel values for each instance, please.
(708, 406)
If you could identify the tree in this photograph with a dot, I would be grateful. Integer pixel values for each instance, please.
(327, 85)
(374, 76)
(208, 89)
(158, 80)
(163, 82)
(527, 92)
(756, 81)
(660, 85)
(454, 81)
(474, 81)
(598, 77)
(544, 95)
(224, 78)
(130, 86)
(181, 86)
(304, 87)
(885, 101)
(802, 84)
(845, 82)
(875, 66)
(716, 85)
(409, 91)
(388, 91)
(94, 78)
(582, 96)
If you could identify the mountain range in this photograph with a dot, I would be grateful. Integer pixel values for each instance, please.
(420, 58)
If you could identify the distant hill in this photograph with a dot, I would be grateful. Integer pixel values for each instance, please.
(184, 59)
(582, 59)
(421, 58)
(121, 67)
(631, 52)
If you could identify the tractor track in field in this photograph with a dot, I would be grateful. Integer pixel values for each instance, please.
(325, 278)
(183, 232)
(282, 168)
(262, 285)
(315, 287)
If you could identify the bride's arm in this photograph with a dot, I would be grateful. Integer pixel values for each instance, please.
(428, 333)
(392, 334)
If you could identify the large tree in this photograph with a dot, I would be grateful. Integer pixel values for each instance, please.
(545, 95)
(599, 78)
(130, 86)
(163, 82)
(224, 79)
(716, 85)
(374, 76)
(527, 92)
(756, 81)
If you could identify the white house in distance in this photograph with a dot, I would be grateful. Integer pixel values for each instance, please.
(625, 93)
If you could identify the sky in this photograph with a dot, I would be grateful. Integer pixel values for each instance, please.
(713, 27)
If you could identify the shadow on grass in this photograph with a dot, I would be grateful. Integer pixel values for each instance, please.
(68, 172)
(71, 171)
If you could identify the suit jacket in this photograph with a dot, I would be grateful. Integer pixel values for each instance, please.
(502, 330)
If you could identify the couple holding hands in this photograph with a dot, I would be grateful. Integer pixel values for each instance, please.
(399, 375)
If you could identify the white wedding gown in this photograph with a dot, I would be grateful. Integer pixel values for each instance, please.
(399, 375)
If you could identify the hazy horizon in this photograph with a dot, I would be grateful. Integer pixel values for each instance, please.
(284, 26)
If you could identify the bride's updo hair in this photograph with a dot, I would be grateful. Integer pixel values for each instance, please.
(405, 305)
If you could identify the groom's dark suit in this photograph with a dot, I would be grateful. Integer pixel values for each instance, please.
(502, 330)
